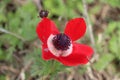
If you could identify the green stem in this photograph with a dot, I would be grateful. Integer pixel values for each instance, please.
(11, 33)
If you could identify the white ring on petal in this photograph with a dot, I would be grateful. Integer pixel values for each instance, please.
(56, 52)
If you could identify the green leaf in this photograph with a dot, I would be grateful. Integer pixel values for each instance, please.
(80, 6)
(9, 39)
(55, 7)
(95, 9)
(2, 18)
(29, 29)
(111, 27)
(114, 42)
(90, 1)
(10, 53)
(2, 77)
(103, 61)
(42, 67)
(113, 3)
(2, 55)
(113, 45)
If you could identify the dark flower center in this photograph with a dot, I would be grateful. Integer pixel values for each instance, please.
(61, 41)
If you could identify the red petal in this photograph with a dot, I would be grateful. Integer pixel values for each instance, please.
(80, 55)
(46, 54)
(75, 28)
(45, 28)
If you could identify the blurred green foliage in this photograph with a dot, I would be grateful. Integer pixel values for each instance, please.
(60, 8)
(113, 3)
(103, 61)
(114, 43)
(42, 67)
(23, 22)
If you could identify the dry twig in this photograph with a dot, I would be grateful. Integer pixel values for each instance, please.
(89, 24)
(23, 70)
(8, 68)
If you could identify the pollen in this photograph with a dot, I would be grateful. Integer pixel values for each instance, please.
(61, 41)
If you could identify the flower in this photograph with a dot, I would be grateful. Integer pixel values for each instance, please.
(62, 46)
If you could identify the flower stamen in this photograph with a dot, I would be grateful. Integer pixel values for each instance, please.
(61, 41)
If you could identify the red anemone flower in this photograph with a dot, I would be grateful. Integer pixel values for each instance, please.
(61, 46)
